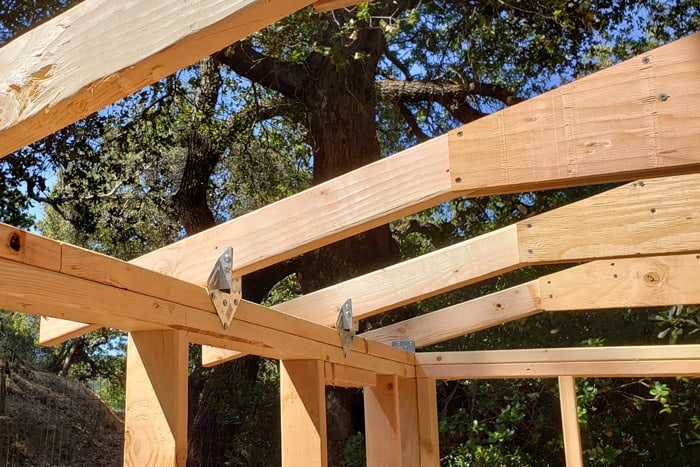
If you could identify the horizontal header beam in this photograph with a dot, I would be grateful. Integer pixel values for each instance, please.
(647, 361)
(80, 285)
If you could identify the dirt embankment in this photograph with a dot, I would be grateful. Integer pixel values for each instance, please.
(53, 421)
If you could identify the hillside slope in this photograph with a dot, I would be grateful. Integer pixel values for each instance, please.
(54, 421)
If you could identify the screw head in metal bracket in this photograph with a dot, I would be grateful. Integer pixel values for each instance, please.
(345, 326)
(224, 290)
(408, 346)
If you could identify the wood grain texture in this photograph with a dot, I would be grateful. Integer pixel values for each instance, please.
(98, 298)
(352, 203)
(620, 283)
(348, 377)
(428, 431)
(303, 413)
(155, 422)
(609, 126)
(624, 361)
(446, 269)
(569, 418)
(656, 215)
(471, 316)
(76, 63)
(54, 331)
(639, 218)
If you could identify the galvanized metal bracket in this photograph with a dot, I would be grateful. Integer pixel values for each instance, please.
(408, 346)
(345, 326)
(225, 290)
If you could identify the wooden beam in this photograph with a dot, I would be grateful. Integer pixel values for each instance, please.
(324, 6)
(622, 283)
(654, 222)
(602, 284)
(109, 295)
(348, 377)
(457, 320)
(651, 138)
(428, 422)
(569, 419)
(391, 422)
(77, 63)
(638, 117)
(54, 331)
(625, 135)
(155, 423)
(657, 360)
(303, 413)
(380, 192)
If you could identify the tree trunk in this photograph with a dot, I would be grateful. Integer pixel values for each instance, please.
(341, 105)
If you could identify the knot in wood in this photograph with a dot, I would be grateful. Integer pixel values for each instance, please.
(15, 242)
(652, 277)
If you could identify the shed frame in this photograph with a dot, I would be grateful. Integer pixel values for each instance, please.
(638, 121)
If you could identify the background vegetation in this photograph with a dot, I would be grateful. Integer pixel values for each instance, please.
(305, 100)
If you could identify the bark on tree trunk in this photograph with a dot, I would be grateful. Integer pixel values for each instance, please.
(341, 105)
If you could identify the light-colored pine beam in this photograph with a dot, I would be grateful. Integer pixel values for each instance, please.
(115, 294)
(54, 331)
(640, 116)
(622, 283)
(428, 422)
(352, 203)
(546, 142)
(460, 319)
(653, 220)
(569, 418)
(78, 62)
(303, 413)
(622, 131)
(348, 377)
(627, 361)
(155, 422)
(602, 284)
(324, 6)
(391, 422)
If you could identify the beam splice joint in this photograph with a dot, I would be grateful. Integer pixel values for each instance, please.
(345, 326)
(224, 290)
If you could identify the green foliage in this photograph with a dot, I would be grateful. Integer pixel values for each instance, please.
(354, 451)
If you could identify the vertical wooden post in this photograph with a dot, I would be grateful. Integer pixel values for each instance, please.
(155, 425)
(428, 422)
(391, 422)
(569, 418)
(303, 413)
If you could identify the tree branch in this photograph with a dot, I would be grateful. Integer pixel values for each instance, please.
(417, 91)
(287, 79)
(412, 123)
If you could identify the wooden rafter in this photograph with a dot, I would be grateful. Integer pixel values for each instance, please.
(76, 63)
(603, 284)
(654, 223)
(626, 132)
(594, 149)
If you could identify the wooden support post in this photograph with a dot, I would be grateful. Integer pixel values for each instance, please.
(428, 422)
(569, 419)
(155, 425)
(391, 422)
(303, 413)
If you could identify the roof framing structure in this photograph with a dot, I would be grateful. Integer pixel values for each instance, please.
(639, 243)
